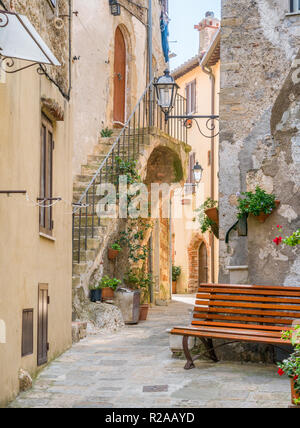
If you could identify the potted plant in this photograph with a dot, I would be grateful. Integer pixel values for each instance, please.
(95, 293)
(176, 272)
(291, 366)
(290, 241)
(114, 251)
(108, 286)
(208, 217)
(139, 279)
(259, 203)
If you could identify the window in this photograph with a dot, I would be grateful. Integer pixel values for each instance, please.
(46, 183)
(294, 5)
(190, 187)
(27, 332)
(190, 93)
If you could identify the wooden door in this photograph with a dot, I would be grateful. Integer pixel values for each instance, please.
(119, 78)
(42, 346)
(202, 264)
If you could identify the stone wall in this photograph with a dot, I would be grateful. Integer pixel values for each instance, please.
(42, 16)
(260, 135)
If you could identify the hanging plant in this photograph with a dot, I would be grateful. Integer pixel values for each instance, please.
(259, 203)
(208, 217)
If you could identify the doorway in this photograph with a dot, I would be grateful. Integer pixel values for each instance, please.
(119, 79)
(202, 264)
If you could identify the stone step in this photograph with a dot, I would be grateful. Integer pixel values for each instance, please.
(98, 230)
(92, 243)
(79, 268)
(85, 255)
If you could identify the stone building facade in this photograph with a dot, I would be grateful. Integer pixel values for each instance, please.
(36, 246)
(260, 136)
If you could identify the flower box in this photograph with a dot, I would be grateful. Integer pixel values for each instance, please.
(213, 214)
(112, 254)
(262, 217)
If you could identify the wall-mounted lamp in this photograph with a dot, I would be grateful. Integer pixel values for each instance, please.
(115, 7)
(198, 171)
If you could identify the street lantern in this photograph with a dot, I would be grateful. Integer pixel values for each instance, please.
(166, 91)
(198, 171)
(115, 7)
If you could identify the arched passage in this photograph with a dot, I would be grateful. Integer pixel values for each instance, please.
(199, 254)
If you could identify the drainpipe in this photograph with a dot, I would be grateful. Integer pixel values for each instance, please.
(209, 71)
(150, 50)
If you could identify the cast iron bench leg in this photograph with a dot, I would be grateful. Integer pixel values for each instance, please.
(208, 343)
(189, 360)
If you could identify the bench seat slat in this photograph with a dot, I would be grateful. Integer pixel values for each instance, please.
(247, 298)
(233, 330)
(237, 337)
(216, 316)
(228, 310)
(250, 292)
(242, 326)
(248, 305)
(253, 287)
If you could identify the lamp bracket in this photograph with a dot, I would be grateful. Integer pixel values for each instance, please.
(210, 123)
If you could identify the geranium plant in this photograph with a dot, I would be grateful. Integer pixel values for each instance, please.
(291, 366)
(291, 241)
(116, 247)
(256, 203)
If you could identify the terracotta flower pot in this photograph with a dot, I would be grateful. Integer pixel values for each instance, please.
(213, 214)
(294, 394)
(107, 293)
(112, 254)
(174, 283)
(144, 312)
(262, 217)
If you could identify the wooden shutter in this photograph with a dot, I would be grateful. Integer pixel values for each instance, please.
(27, 332)
(46, 181)
(42, 346)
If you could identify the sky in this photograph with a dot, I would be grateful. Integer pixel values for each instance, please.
(184, 14)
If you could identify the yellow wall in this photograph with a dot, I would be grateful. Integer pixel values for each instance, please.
(28, 259)
(186, 231)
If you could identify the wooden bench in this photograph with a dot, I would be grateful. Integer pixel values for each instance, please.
(240, 313)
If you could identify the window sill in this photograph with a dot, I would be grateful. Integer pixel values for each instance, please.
(45, 236)
(293, 13)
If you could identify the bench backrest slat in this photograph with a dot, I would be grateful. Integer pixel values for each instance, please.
(274, 305)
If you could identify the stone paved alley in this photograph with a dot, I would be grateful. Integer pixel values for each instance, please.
(111, 370)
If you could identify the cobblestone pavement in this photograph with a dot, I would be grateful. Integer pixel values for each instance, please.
(112, 370)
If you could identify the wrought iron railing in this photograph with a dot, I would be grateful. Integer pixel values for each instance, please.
(127, 146)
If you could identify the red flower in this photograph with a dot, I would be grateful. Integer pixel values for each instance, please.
(295, 378)
(280, 372)
(277, 240)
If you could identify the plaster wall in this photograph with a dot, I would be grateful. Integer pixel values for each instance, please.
(27, 258)
(187, 233)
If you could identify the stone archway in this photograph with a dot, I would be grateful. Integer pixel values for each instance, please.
(195, 258)
(163, 163)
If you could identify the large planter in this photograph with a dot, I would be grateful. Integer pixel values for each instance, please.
(107, 294)
(294, 394)
(96, 295)
(213, 214)
(174, 284)
(144, 312)
(112, 254)
(262, 217)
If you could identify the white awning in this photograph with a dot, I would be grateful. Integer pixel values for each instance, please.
(20, 40)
